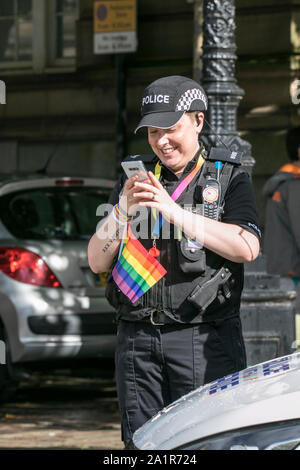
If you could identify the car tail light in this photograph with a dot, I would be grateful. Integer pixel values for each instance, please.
(25, 266)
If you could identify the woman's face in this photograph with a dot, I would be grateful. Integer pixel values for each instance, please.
(176, 146)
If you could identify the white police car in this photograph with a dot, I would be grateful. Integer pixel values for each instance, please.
(257, 408)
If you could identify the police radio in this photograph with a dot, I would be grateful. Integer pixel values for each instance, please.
(211, 195)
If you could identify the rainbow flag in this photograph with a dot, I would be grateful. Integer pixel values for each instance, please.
(136, 270)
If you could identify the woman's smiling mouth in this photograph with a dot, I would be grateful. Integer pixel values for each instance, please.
(167, 150)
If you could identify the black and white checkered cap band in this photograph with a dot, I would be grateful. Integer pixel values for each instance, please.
(188, 97)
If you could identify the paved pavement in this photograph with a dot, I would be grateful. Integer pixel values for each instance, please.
(61, 411)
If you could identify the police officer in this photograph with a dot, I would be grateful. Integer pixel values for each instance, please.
(185, 331)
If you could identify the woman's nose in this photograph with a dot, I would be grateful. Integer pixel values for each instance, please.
(162, 138)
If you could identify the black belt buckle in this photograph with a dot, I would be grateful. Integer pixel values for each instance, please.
(159, 316)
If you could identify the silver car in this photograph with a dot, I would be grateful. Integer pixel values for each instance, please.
(52, 306)
(257, 408)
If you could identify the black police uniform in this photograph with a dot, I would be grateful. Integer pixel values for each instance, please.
(171, 341)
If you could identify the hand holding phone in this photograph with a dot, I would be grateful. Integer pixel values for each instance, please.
(132, 168)
(135, 167)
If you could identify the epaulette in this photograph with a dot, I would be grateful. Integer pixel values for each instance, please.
(222, 154)
(144, 158)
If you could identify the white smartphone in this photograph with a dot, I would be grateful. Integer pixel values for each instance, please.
(133, 168)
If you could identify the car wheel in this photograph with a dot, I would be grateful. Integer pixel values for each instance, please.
(8, 382)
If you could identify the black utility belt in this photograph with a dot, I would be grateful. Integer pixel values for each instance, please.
(162, 320)
(156, 318)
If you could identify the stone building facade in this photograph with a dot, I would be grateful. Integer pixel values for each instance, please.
(61, 99)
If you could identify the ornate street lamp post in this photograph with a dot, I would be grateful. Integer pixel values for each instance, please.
(264, 297)
(218, 77)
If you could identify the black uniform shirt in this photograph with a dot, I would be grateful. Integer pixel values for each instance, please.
(175, 286)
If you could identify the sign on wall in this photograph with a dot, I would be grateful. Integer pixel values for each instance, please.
(115, 26)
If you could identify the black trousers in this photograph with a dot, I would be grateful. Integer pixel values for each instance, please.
(156, 365)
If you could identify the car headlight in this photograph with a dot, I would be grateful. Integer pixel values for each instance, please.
(283, 435)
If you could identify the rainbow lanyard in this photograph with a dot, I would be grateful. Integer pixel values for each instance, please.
(175, 195)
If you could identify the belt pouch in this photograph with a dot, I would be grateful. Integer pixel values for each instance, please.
(190, 260)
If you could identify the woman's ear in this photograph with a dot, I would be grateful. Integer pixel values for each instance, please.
(199, 120)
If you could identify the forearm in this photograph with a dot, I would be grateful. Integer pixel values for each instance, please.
(227, 240)
(105, 244)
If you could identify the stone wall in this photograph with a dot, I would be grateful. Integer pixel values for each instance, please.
(268, 39)
(71, 114)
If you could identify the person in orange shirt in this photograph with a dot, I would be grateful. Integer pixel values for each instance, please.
(282, 225)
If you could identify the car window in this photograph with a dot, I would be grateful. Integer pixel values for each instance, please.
(52, 212)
